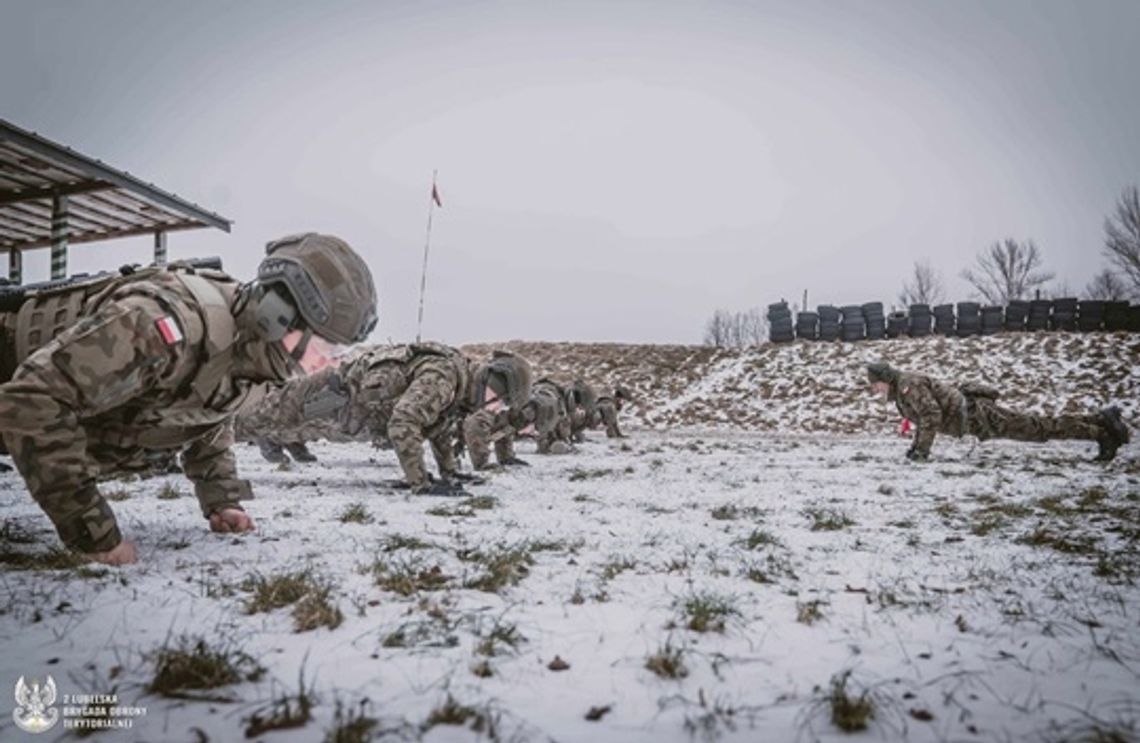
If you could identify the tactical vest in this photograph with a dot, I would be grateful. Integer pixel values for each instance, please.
(210, 328)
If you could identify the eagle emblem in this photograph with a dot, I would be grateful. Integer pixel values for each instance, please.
(34, 712)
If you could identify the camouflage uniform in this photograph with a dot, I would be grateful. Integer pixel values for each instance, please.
(119, 370)
(398, 394)
(972, 409)
(554, 438)
(154, 363)
(606, 412)
(582, 404)
(484, 428)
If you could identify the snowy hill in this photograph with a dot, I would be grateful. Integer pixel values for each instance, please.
(805, 387)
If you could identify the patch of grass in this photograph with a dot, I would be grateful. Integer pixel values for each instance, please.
(117, 495)
(275, 591)
(53, 559)
(394, 542)
(707, 611)
(850, 714)
(503, 566)
(615, 566)
(668, 662)
(316, 609)
(986, 523)
(169, 492)
(760, 538)
(772, 569)
(284, 712)
(808, 612)
(452, 712)
(406, 577)
(579, 474)
(1068, 543)
(351, 724)
(432, 634)
(191, 663)
(946, 509)
(827, 519)
(355, 513)
(501, 636)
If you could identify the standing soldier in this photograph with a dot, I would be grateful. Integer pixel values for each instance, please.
(972, 409)
(607, 410)
(399, 394)
(159, 360)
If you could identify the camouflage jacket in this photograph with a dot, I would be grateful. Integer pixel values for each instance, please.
(150, 365)
(932, 406)
(400, 394)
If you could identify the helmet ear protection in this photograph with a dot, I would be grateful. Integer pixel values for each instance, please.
(275, 314)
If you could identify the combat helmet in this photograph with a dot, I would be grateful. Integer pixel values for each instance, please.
(508, 375)
(581, 395)
(881, 371)
(320, 278)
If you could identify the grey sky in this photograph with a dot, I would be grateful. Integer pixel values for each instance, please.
(610, 171)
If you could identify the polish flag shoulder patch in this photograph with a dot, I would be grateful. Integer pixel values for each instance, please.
(169, 329)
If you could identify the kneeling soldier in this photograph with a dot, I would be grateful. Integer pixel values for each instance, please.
(972, 409)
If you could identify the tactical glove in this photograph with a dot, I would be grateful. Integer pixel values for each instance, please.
(515, 462)
(915, 455)
(5, 467)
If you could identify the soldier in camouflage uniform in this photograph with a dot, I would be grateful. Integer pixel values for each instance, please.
(606, 412)
(484, 428)
(972, 409)
(398, 394)
(159, 360)
(582, 406)
(555, 437)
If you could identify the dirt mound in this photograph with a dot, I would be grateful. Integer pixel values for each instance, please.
(806, 387)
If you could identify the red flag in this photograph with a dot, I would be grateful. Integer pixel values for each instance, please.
(435, 195)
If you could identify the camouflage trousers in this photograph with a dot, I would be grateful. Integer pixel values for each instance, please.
(480, 431)
(607, 414)
(988, 420)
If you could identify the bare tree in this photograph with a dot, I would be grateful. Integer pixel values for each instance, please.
(736, 329)
(1007, 270)
(717, 329)
(1122, 237)
(1108, 286)
(753, 327)
(924, 287)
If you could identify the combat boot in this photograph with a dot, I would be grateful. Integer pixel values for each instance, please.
(1114, 434)
(271, 451)
(300, 452)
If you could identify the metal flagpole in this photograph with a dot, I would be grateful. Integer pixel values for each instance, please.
(427, 244)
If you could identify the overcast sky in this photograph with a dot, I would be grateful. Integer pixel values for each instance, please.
(610, 171)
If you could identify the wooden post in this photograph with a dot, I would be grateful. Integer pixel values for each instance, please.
(15, 266)
(160, 248)
(59, 237)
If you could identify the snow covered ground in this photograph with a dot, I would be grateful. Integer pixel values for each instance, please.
(988, 595)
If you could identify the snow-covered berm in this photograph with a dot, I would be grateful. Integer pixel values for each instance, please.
(699, 584)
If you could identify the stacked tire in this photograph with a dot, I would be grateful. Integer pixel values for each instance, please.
(1090, 315)
(1016, 314)
(876, 322)
(1134, 318)
(1040, 315)
(780, 323)
(807, 326)
(854, 327)
(969, 319)
(1064, 314)
(944, 323)
(896, 324)
(828, 322)
(918, 321)
(993, 316)
(1116, 316)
